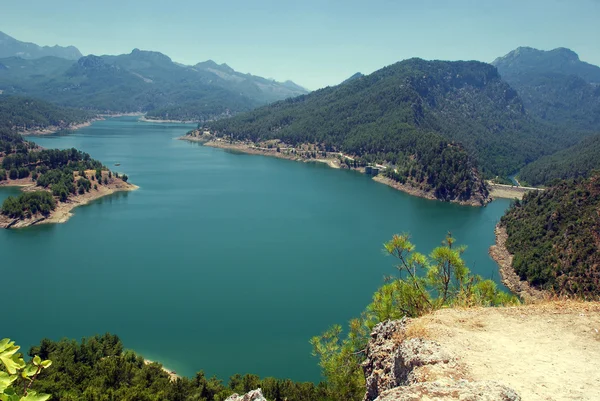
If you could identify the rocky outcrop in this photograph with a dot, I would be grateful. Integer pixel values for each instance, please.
(254, 395)
(460, 390)
(398, 367)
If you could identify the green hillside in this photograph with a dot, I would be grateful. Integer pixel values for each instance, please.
(375, 115)
(553, 235)
(574, 162)
(25, 113)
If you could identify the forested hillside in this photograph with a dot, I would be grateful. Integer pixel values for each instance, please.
(100, 369)
(406, 104)
(555, 85)
(574, 162)
(142, 81)
(553, 235)
(24, 113)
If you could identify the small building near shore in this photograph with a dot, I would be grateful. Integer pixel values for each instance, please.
(370, 170)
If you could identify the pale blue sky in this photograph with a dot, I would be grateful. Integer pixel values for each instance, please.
(314, 43)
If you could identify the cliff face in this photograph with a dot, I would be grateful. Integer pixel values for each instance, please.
(402, 368)
(543, 351)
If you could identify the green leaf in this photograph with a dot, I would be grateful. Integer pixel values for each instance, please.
(11, 361)
(33, 396)
(29, 371)
(46, 364)
(6, 380)
(37, 360)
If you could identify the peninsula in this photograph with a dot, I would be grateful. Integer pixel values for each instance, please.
(53, 182)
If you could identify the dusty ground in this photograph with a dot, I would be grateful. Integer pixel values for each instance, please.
(547, 351)
(508, 191)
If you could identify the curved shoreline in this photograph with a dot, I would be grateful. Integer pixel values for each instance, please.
(509, 277)
(63, 211)
(55, 128)
(208, 140)
(158, 121)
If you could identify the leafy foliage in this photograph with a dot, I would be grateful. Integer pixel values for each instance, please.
(574, 162)
(15, 370)
(554, 237)
(424, 284)
(100, 369)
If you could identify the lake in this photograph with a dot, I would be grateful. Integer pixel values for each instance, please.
(224, 262)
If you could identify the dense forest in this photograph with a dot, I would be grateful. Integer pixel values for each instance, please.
(142, 81)
(574, 162)
(555, 85)
(100, 369)
(376, 116)
(24, 113)
(553, 235)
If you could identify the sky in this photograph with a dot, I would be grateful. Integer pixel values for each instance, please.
(315, 43)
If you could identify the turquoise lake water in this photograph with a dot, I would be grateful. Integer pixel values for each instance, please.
(223, 262)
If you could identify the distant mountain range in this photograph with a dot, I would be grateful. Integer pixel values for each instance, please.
(554, 85)
(142, 81)
(11, 47)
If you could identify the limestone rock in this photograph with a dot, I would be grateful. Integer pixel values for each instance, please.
(254, 395)
(381, 358)
(401, 368)
(459, 390)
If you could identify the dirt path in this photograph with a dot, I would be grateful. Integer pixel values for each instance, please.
(548, 351)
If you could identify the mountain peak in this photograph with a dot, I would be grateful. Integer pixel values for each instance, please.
(11, 47)
(557, 61)
(150, 55)
(210, 64)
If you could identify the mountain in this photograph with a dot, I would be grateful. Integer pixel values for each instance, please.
(555, 85)
(576, 161)
(353, 77)
(553, 235)
(460, 102)
(142, 81)
(11, 47)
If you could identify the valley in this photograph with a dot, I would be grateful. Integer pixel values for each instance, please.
(427, 228)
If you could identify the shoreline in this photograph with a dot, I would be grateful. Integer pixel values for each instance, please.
(173, 376)
(150, 120)
(63, 211)
(209, 140)
(510, 279)
(54, 128)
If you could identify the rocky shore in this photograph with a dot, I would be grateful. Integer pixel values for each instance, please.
(332, 160)
(510, 279)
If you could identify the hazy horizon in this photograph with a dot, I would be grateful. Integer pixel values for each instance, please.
(314, 44)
